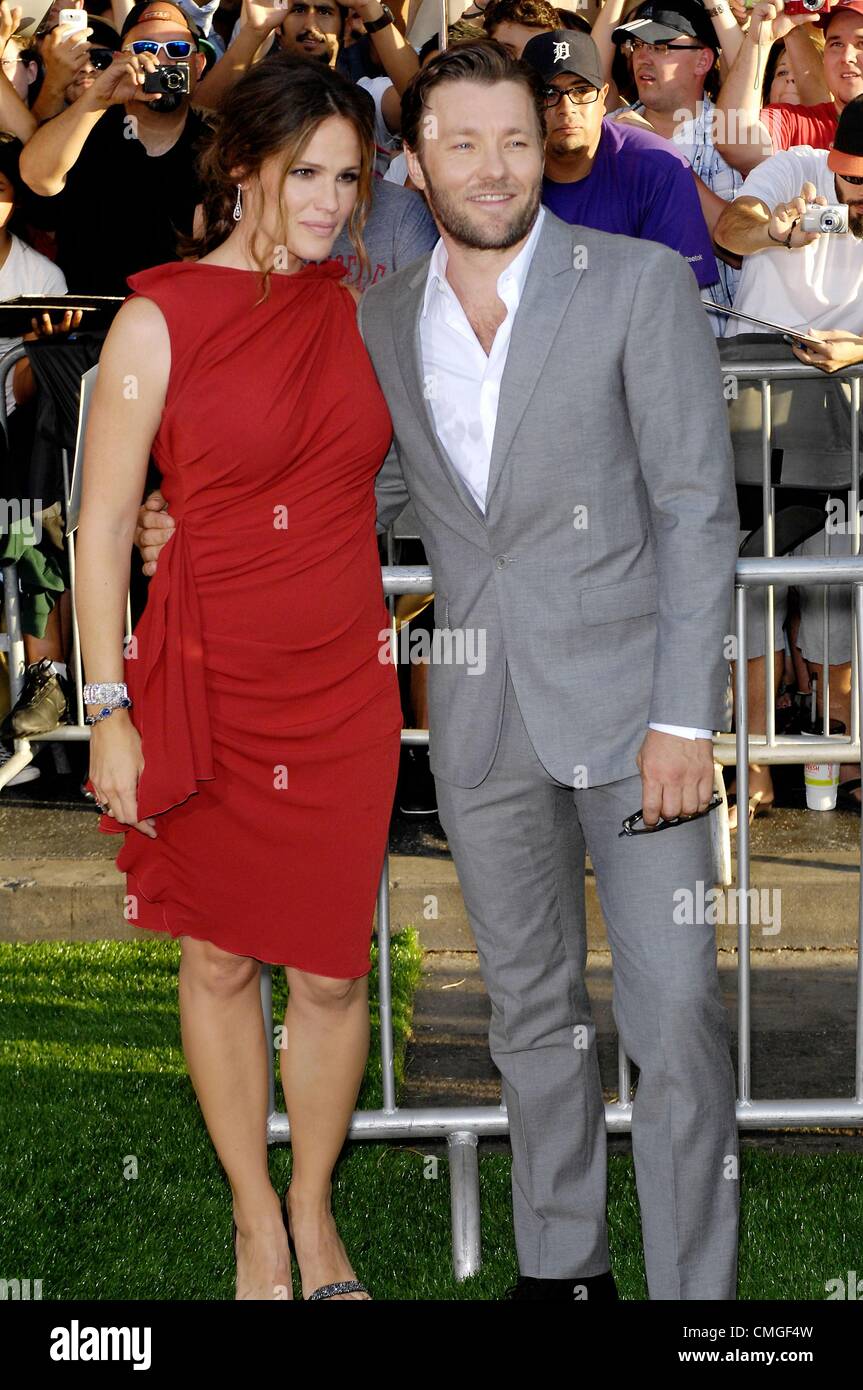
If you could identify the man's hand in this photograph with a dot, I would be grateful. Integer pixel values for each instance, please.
(837, 349)
(9, 21)
(676, 775)
(786, 216)
(122, 81)
(154, 529)
(44, 328)
(64, 52)
(263, 19)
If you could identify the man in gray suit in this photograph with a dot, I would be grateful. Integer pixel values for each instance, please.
(560, 429)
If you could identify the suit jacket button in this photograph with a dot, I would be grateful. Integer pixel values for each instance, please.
(500, 561)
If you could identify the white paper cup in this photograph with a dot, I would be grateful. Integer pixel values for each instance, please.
(822, 781)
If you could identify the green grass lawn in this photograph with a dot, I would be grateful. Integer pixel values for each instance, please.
(93, 1085)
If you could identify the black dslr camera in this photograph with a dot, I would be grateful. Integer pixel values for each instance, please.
(171, 77)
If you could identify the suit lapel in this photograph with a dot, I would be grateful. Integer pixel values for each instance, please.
(409, 351)
(548, 289)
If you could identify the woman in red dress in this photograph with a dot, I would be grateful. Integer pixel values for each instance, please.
(253, 775)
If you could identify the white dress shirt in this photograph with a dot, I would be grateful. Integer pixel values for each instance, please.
(462, 382)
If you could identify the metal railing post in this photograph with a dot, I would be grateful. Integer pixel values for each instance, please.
(743, 932)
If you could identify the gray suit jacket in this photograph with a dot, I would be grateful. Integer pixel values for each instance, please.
(602, 569)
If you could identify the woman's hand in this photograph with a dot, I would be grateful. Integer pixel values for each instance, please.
(116, 764)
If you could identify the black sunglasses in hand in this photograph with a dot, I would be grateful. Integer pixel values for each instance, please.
(631, 822)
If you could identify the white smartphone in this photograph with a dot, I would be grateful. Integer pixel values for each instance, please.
(74, 19)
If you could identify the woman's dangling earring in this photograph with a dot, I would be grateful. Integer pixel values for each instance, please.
(238, 205)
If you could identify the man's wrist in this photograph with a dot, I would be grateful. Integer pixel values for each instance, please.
(90, 103)
(786, 241)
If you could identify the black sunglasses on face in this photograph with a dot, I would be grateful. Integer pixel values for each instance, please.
(100, 58)
(852, 178)
(632, 821)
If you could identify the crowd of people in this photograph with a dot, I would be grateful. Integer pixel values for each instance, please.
(710, 128)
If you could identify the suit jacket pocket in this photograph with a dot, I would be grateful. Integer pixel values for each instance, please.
(609, 603)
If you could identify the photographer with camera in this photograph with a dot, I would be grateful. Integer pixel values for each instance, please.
(746, 135)
(797, 271)
(798, 223)
(71, 58)
(116, 169)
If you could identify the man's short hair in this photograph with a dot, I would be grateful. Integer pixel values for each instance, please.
(486, 62)
(462, 31)
(533, 14)
(10, 153)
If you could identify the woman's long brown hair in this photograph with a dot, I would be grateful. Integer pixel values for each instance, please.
(275, 109)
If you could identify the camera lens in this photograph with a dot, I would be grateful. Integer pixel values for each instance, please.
(173, 80)
(828, 222)
(813, 4)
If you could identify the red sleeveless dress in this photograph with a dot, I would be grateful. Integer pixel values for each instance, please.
(269, 720)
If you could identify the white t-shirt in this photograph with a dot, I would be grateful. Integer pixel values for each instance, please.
(25, 272)
(814, 286)
(398, 170)
(384, 138)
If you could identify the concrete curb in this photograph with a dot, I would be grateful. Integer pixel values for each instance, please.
(66, 899)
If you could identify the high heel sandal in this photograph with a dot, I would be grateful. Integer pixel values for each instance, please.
(325, 1290)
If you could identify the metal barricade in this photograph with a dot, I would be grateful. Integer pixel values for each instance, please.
(462, 1127)
(12, 641)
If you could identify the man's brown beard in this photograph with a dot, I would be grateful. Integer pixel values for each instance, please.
(459, 226)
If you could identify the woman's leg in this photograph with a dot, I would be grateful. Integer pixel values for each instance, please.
(760, 780)
(225, 1043)
(322, 1062)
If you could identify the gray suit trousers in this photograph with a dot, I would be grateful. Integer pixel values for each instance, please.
(518, 841)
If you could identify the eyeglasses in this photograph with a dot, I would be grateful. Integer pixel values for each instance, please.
(579, 96)
(173, 48)
(629, 825)
(852, 178)
(100, 58)
(631, 46)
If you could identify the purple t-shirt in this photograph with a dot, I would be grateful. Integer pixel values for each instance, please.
(639, 186)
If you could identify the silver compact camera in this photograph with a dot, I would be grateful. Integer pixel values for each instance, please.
(818, 217)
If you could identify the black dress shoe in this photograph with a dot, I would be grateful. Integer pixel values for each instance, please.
(417, 795)
(595, 1288)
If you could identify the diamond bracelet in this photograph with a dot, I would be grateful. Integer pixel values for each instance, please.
(109, 693)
